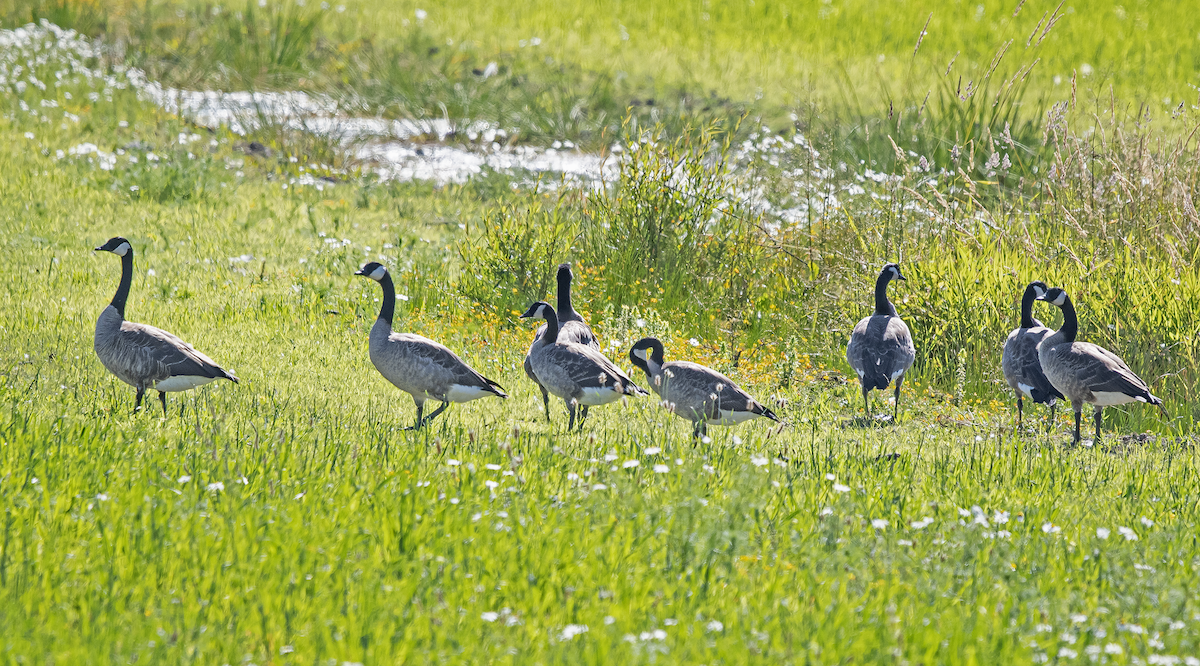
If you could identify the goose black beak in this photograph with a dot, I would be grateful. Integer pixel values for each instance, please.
(357, 272)
(901, 277)
(97, 249)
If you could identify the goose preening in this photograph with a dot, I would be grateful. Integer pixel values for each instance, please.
(578, 374)
(571, 328)
(424, 369)
(697, 393)
(1084, 372)
(881, 348)
(143, 356)
(1020, 363)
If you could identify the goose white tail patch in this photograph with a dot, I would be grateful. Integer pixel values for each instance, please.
(182, 383)
(729, 417)
(1107, 398)
(460, 393)
(598, 396)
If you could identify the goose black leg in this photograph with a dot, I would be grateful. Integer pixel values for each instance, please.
(699, 431)
(571, 423)
(1050, 425)
(545, 401)
(420, 410)
(1098, 411)
(1077, 437)
(583, 412)
(896, 411)
(866, 403)
(162, 397)
(1020, 407)
(432, 415)
(137, 403)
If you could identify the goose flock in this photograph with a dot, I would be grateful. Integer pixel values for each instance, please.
(565, 360)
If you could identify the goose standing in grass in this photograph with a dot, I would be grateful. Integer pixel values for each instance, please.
(417, 365)
(578, 374)
(572, 328)
(143, 356)
(697, 393)
(1020, 363)
(1084, 372)
(881, 348)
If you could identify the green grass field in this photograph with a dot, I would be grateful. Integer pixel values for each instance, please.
(291, 519)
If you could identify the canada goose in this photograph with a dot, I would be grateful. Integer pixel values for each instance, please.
(143, 356)
(572, 328)
(1084, 372)
(1020, 363)
(881, 348)
(579, 375)
(417, 365)
(697, 393)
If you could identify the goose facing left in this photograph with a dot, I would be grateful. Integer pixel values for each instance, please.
(145, 357)
(695, 392)
(424, 369)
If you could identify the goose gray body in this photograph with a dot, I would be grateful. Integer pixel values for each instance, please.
(143, 356)
(579, 375)
(1020, 361)
(572, 328)
(424, 369)
(695, 392)
(881, 349)
(1086, 373)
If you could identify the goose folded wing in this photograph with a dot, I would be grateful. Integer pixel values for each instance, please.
(1030, 368)
(1105, 373)
(180, 358)
(441, 364)
(589, 368)
(579, 333)
(696, 384)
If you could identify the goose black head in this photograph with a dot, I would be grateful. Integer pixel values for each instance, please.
(1039, 289)
(374, 270)
(646, 349)
(117, 245)
(564, 272)
(536, 311)
(893, 271)
(1054, 296)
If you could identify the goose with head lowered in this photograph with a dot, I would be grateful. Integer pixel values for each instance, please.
(578, 374)
(695, 392)
(571, 328)
(881, 348)
(145, 357)
(1020, 363)
(424, 369)
(1087, 373)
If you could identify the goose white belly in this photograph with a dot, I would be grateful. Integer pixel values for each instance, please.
(460, 393)
(182, 383)
(1110, 398)
(730, 417)
(598, 396)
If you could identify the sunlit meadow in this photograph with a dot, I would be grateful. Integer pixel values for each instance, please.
(291, 519)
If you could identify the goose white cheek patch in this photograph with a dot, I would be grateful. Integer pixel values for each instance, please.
(378, 273)
(122, 249)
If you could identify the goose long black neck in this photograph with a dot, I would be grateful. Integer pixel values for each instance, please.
(551, 334)
(122, 294)
(882, 305)
(1070, 325)
(565, 309)
(1027, 307)
(388, 309)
